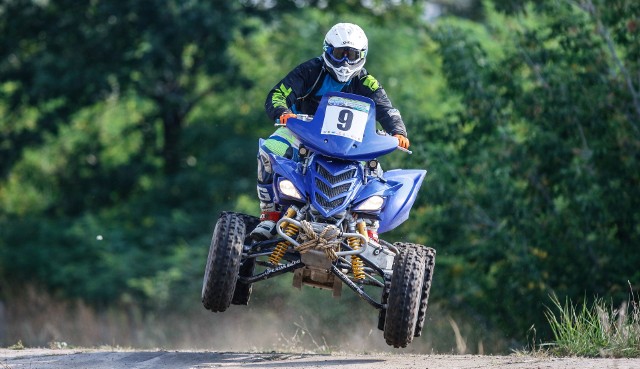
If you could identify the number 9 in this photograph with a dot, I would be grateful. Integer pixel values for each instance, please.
(345, 117)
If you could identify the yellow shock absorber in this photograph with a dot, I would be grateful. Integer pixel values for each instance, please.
(356, 263)
(290, 230)
(362, 229)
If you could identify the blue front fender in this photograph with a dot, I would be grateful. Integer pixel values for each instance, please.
(398, 206)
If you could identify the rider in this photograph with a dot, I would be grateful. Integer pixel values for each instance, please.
(340, 68)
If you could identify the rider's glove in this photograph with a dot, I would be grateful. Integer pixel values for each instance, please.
(285, 116)
(402, 141)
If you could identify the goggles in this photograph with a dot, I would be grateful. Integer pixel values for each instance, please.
(340, 54)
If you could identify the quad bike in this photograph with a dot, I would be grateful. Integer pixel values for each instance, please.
(335, 201)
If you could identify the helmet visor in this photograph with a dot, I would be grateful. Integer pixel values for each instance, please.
(340, 54)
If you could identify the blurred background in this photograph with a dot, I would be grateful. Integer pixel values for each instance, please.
(127, 126)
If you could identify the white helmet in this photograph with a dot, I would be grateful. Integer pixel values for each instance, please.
(345, 51)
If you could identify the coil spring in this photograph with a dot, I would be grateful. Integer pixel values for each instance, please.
(282, 246)
(357, 266)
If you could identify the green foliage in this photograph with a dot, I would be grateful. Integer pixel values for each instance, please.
(596, 331)
(70, 55)
(539, 177)
(126, 127)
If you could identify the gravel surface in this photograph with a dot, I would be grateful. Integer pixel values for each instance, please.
(135, 359)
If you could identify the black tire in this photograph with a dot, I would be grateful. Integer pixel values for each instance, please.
(242, 293)
(382, 315)
(250, 223)
(223, 262)
(404, 295)
(430, 264)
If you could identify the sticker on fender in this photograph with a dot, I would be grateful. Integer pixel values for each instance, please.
(345, 118)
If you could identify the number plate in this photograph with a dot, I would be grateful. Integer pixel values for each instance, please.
(345, 118)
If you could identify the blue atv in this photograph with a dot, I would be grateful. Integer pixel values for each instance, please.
(335, 200)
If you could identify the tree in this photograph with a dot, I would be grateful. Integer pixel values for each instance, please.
(63, 55)
(546, 160)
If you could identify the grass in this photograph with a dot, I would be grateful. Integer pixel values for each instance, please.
(17, 346)
(596, 330)
(35, 318)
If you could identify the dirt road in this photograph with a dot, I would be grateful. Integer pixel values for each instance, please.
(108, 359)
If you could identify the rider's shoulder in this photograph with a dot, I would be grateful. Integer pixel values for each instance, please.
(311, 66)
(314, 63)
(368, 81)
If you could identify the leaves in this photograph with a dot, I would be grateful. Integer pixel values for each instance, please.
(140, 123)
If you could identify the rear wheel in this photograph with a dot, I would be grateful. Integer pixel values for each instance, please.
(430, 263)
(223, 262)
(243, 290)
(405, 294)
(382, 315)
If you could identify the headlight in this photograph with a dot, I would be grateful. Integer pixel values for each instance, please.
(373, 203)
(288, 189)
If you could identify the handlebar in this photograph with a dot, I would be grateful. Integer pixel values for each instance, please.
(308, 118)
(303, 117)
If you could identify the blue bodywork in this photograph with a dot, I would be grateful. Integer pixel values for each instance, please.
(334, 178)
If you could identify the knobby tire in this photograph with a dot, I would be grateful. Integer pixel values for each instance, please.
(405, 295)
(430, 264)
(223, 262)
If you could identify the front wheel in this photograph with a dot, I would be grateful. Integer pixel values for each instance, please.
(405, 295)
(223, 262)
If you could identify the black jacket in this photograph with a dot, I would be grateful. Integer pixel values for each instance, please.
(299, 90)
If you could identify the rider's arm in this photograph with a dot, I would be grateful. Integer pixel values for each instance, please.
(284, 94)
(388, 116)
